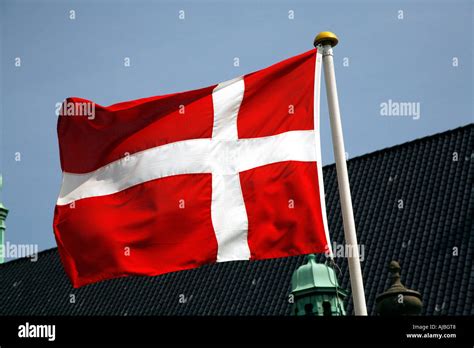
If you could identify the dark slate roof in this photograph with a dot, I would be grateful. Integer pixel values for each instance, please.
(437, 216)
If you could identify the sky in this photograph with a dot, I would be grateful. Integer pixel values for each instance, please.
(418, 52)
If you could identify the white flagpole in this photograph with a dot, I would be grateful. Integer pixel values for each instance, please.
(325, 41)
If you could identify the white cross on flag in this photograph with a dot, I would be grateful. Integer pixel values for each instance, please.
(161, 184)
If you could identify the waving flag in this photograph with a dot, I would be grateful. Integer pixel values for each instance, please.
(227, 172)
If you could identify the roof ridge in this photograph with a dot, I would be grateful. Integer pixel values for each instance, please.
(407, 143)
(367, 155)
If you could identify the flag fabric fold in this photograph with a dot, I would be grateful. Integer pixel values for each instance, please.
(162, 184)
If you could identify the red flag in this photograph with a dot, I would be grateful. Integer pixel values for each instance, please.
(161, 184)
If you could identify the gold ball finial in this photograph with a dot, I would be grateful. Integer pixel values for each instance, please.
(326, 37)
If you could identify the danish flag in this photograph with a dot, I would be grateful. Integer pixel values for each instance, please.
(168, 183)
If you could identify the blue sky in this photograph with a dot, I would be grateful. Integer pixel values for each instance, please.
(421, 55)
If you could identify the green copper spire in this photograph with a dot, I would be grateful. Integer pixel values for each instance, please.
(3, 216)
(316, 290)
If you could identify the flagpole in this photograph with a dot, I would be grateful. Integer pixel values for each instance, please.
(325, 41)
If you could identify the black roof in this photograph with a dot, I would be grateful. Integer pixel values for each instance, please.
(432, 237)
